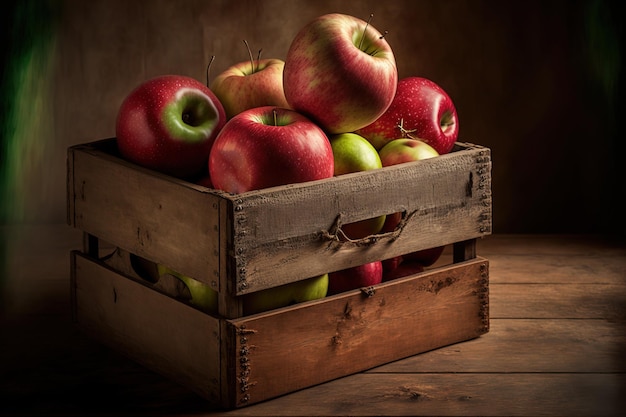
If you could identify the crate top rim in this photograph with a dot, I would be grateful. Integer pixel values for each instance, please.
(106, 146)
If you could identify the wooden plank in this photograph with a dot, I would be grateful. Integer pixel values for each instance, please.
(448, 199)
(558, 269)
(156, 331)
(562, 245)
(528, 346)
(269, 242)
(155, 216)
(283, 350)
(564, 301)
(489, 394)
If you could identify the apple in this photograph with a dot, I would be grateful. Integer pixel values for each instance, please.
(340, 72)
(421, 109)
(391, 264)
(426, 257)
(168, 123)
(405, 268)
(269, 146)
(399, 151)
(250, 84)
(285, 295)
(351, 278)
(202, 295)
(391, 222)
(353, 153)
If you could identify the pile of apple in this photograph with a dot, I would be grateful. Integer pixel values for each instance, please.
(334, 106)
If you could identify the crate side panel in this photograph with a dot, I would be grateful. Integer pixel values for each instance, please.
(146, 214)
(446, 200)
(158, 332)
(290, 349)
(301, 209)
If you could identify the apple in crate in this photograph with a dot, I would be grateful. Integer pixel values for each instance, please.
(399, 151)
(202, 295)
(293, 293)
(250, 84)
(168, 123)
(421, 109)
(353, 153)
(425, 257)
(355, 277)
(266, 147)
(403, 269)
(341, 72)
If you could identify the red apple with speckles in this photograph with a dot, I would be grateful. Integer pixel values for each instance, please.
(355, 277)
(269, 146)
(168, 123)
(341, 72)
(421, 109)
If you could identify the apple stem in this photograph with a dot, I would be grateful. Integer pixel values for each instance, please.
(250, 54)
(365, 29)
(208, 70)
(405, 132)
(258, 60)
(275, 117)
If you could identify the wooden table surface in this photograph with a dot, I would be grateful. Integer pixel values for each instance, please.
(556, 346)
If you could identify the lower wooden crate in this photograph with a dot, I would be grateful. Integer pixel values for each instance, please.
(242, 361)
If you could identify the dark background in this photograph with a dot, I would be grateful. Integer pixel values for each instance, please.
(535, 81)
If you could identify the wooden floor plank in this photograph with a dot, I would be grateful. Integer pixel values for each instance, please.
(528, 345)
(488, 394)
(563, 301)
(556, 345)
(557, 269)
(550, 245)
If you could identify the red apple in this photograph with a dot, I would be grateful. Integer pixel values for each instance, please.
(269, 146)
(399, 151)
(391, 264)
(405, 268)
(341, 72)
(250, 84)
(421, 109)
(168, 124)
(355, 277)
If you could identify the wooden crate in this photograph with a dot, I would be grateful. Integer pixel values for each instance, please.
(248, 242)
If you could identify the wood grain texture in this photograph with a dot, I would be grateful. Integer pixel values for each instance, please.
(354, 332)
(184, 343)
(536, 361)
(261, 239)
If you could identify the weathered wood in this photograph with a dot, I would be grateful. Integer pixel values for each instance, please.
(454, 394)
(528, 346)
(353, 332)
(247, 360)
(269, 242)
(157, 331)
(166, 220)
(565, 301)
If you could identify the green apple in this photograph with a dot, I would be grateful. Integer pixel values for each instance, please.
(354, 153)
(284, 295)
(202, 295)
